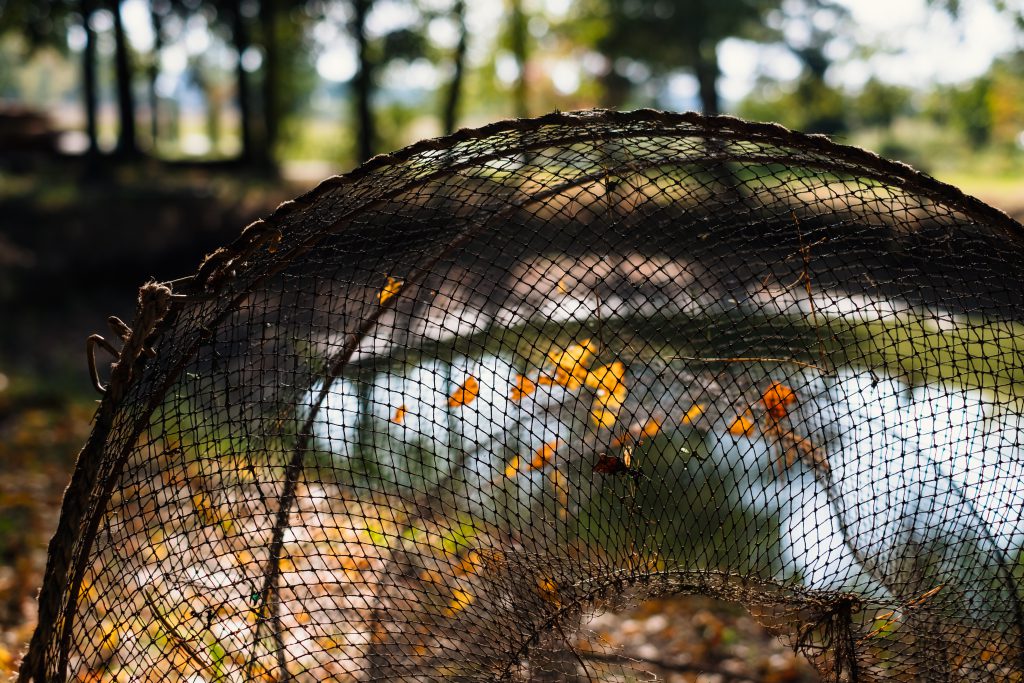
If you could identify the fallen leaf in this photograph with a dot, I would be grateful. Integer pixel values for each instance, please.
(570, 366)
(574, 356)
(469, 563)
(562, 378)
(651, 427)
(742, 426)
(524, 386)
(466, 393)
(547, 589)
(561, 491)
(693, 414)
(460, 600)
(543, 455)
(608, 377)
(512, 468)
(775, 399)
(392, 288)
(399, 416)
(603, 417)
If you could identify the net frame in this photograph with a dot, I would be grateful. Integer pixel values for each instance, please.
(189, 309)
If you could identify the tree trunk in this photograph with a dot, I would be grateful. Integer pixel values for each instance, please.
(363, 82)
(615, 89)
(705, 66)
(451, 105)
(240, 35)
(126, 145)
(89, 77)
(518, 18)
(271, 74)
(156, 21)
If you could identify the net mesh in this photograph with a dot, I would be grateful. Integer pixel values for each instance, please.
(426, 421)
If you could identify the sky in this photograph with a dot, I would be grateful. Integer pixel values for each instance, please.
(915, 46)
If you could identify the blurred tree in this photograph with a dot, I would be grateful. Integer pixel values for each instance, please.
(269, 17)
(239, 31)
(362, 82)
(127, 147)
(966, 108)
(451, 104)
(45, 23)
(1006, 99)
(667, 35)
(518, 38)
(399, 36)
(89, 96)
(823, 107)
(157, 10)
(879, 104)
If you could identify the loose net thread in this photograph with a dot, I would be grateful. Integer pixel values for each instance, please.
(426, 420)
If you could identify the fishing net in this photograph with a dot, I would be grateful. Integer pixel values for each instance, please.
(428, 420)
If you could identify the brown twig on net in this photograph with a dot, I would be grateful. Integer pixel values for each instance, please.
(173, 636)
(751, 359)
(805, 255)
(665, 665)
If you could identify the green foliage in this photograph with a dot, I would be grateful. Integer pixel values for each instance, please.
(879, 104)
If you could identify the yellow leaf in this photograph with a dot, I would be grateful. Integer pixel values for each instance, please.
(651, 427)
(512, 468)
(603, 417)
(570, 365)
(524, 387)
(466, 393)
(558, 482)
(547, 589)
(392, 288)
(460, 600)
(574, 355)
(612, 400)
(742, 426)
(608, 377)
(544, 454)
(695, 411)
(399, 416)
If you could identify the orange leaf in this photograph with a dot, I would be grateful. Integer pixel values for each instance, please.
(392, 288)
(544, 454)
(695, 411)
(651, 427)
(469, 563)
(399, 416)
(524, 387)
(742, 426)
(466, 393)
(775, 399)
(624, 438)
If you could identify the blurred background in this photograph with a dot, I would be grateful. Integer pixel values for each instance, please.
(138, 135)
